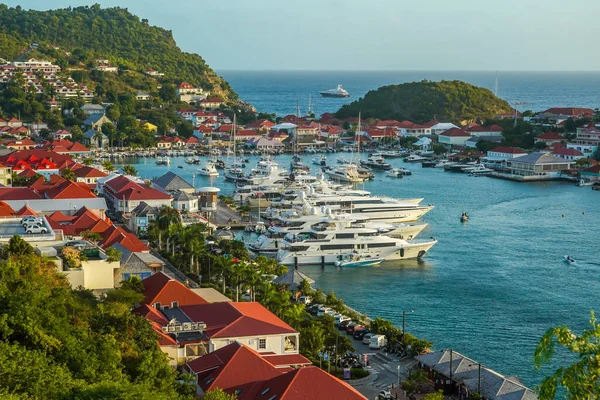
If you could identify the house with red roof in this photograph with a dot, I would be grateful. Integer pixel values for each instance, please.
(263, 125)
(202, 116)
(378, 134)
(248, 134)
(492, 130)
(550, 138)
(211, 103)
(567, 154)
(454, 137)
(238, 369)
(563, 113)
(504, 153)
(192, 141)
(83, 220)
(308, 129)
(161, 291)
(23, 144)
(126, 194)
(88, 175)
(408, 128)
(14, 123)
(61, 134)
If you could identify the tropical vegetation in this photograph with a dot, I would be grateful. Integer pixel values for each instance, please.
(63, 343)
(426, 100)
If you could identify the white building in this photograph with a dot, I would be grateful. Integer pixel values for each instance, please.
(586, 141)
(454, 137)
(505, 153)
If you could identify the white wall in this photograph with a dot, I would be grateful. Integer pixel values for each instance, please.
(275, 343)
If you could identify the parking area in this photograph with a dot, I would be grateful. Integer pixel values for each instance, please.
(12, 226)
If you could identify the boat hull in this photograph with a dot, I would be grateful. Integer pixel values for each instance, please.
(340, 96)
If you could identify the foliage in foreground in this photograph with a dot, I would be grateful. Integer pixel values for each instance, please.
(580, 380)
(59, 343)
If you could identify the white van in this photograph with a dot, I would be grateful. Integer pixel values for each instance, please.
(377, 341)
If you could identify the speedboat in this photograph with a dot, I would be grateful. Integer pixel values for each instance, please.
(398, 173)
(338, 92)
(377, 163)
(354, 260)
(414, 158)
(569, 260)
(464, 217)
(442, 163)
(208, 169)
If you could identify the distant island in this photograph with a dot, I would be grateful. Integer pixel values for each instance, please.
(423, 101)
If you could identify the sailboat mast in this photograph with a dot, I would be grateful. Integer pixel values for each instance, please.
(358, 143)
(234, 130)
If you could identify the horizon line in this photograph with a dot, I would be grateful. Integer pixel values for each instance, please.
(402, 70)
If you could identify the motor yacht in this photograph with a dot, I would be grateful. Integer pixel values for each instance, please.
(413, 158)
(208, 169)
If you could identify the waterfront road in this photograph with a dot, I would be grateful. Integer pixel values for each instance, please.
(386, 370)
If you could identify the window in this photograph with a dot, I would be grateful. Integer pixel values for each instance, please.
(390, 244)
(344, 235)
(174, 304)
(157, 305)
(238, 391)
(262, 344)
(265, 391)
(337, 246)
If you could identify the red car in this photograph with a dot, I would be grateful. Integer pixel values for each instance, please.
(353, 327)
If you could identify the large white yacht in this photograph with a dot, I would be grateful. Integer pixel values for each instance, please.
(344, 173)
(375, 208)
(338, 92)
(293, 223)
(302, 250)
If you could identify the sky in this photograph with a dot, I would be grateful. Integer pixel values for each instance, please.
(505, 35)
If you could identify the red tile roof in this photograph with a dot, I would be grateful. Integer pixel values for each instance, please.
(10, 193)
(455, 132)
(286, 360)
(159, 288)
(509, 150)
(89, 172)
(550, 136)
(387, 122)
(247, 132)
(564, 151)
(570, 111)
(69, 190)
(224, 320)
(310, 383)
(6, 210)
(26, 210)
(595, 169)
(116, 235)
(260, 124)
(492, 128)
(233, 367)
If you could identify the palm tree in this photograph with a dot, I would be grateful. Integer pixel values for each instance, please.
(108, 166)
(130, 170)
(169, 222)
(223, 267)
(294, 315)
(68, 174)
(98, 138)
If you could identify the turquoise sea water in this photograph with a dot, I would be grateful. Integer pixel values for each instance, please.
(491, 287)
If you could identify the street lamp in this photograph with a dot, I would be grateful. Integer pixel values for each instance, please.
(404, 326)
(478, 377)
(398, 374)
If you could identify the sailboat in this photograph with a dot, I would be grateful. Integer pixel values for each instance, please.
(348, 172)
(209, 168)
(234, 172)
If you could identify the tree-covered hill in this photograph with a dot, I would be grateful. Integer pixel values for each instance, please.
(423, 101)
(88, 33)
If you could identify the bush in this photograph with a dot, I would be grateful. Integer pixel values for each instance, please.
(357, 373)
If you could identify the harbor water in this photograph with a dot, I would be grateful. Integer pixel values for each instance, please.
(492, 286)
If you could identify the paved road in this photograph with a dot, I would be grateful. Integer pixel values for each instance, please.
(385, 370)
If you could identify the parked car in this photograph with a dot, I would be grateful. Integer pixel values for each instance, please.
(330, 312)
(385, 395)
(342, 319)
(305, 300)
(322, 311)
(351, 327)
(360, 333)
(36, 229)
(313, 309)
(367, 338)
(344, 325)
(30, 218)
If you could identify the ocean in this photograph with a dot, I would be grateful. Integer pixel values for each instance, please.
(279, 91)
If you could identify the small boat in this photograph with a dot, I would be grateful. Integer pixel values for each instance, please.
(320, 161)
(260, 228)
(464, 217)
(355, 260)
(428, 164)
(180, 166)
(415, 158)
(395, 173)
(569, 260)
(209, 169)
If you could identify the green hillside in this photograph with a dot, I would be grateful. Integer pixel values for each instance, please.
(423, 101)
(88, 33)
